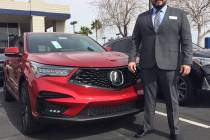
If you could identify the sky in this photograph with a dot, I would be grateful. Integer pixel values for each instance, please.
(84, 12)
(80, 10)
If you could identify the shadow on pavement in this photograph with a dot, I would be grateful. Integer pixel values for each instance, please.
(72, 130)
(13, 111)
(202, 100)
(126, 126)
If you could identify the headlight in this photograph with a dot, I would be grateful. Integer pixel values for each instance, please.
(202, 61)
(50, 70)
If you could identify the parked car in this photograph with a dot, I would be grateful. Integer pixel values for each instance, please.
(12, 41)
(199, 78)
(119, 45)
(2, 59)
(69, 77)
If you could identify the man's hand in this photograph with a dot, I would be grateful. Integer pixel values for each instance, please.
(185, 70)
(132, 66)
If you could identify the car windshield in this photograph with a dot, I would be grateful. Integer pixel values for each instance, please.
(46, 43)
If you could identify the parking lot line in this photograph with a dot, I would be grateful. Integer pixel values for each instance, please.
(186, 120)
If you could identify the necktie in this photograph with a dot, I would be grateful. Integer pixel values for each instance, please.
(157, 21)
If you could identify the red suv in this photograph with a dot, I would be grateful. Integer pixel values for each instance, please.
(58, 76)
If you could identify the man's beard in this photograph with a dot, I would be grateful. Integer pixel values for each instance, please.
(158, 7)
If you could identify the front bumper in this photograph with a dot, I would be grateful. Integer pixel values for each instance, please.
(81, 103)
(86, 116)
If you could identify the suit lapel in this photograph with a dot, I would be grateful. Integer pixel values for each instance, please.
(149, 20)
(165, 19)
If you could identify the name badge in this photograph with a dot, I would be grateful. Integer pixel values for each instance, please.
(173, 17)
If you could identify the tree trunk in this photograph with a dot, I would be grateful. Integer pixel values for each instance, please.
(125, 31)
(96, 34)
(199, 40)
(74, 28)
(120, 31)
(150, 5)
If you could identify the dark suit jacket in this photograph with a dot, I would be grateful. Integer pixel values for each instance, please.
(164, 47)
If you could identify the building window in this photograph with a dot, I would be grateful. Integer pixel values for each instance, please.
(7, 32)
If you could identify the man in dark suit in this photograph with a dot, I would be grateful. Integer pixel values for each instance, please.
(163, 35)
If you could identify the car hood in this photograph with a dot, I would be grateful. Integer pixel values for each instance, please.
(81, 59)
(201, 53)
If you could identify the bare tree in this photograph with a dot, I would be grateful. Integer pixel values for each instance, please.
(199, 13)
(119, 13)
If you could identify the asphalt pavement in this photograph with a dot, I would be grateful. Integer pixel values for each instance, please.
(194, 122)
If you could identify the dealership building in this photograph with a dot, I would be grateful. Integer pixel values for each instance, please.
(17, 17)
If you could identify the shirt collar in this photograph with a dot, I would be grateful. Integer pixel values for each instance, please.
(161, 10)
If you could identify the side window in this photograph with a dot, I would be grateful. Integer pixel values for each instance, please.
(111, 45)
(122, 46)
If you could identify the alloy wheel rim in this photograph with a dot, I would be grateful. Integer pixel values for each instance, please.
(181, 87)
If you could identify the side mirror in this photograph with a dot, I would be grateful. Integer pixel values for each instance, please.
(11, 52)
(108, 49)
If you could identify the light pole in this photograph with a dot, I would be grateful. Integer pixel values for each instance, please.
(30, 6)
(104, 38)
(73, 23)
(118, 35)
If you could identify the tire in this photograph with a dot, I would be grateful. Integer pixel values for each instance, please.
(7, 95)
(185, 90)
(28, 124)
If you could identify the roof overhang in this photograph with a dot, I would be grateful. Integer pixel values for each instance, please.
(34, 13)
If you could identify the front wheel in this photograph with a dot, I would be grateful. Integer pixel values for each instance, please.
(28, 124)
(185, 90)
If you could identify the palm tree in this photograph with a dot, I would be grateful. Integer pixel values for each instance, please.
(85, 30)
(73, 23)
(96, 25)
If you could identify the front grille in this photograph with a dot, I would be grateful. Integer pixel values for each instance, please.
(101, 77)
(93, 112)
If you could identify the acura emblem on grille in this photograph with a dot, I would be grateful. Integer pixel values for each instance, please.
(116, 77)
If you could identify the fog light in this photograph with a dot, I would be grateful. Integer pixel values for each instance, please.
(51, 109)
(54, 111)
(47, 108)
